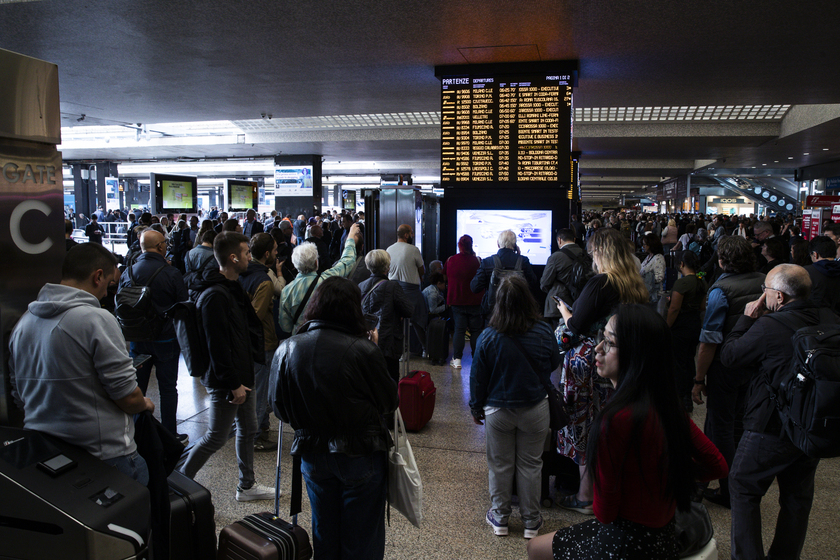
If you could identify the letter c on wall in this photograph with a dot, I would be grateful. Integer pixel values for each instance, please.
(14, 227)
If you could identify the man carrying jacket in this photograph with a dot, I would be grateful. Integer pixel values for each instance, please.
(260, 288)
(234, 343)
(762, 338)
(167, 289)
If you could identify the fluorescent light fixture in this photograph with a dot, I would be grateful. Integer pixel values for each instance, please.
(265, 167)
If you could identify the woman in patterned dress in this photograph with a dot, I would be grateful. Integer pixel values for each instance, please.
(617, 280)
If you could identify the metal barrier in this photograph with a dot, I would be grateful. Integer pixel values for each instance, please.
(115, 234)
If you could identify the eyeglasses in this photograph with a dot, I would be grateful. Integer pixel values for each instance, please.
(605, 344)
(763, 288)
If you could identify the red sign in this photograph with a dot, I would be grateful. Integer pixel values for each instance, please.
(835, 214)
(822, 200)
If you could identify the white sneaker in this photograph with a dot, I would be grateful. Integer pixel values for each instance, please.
(255, 492)
(456, 363)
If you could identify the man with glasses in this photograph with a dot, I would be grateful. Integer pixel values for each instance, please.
(762, 339)
(167, 288)
(725, 388)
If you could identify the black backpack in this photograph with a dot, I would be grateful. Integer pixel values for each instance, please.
(808, 398)
(499, 274)
(580, 274)
(136, 312)
(186, 320)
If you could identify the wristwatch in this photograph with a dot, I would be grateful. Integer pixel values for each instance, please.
(696, 382)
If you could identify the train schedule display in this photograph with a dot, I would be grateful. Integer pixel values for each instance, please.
(506, 129)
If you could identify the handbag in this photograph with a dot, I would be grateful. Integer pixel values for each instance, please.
(558, 415)
(693, 529)
(405, 489)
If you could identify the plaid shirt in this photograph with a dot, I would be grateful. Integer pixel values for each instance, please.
(295, 291)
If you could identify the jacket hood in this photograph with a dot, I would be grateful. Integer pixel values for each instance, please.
(55, 299)
(317, 324)
(829, 268)
(205, 279)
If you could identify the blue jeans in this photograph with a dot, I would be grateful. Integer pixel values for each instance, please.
(261, 374)
(165, 355)
(347, 497)
(760, 459)
(466, 317)
(222, 414)
(131, 465)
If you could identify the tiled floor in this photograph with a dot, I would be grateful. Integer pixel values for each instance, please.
(450, 455)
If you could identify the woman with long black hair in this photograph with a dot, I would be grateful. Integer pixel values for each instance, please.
(644, 453)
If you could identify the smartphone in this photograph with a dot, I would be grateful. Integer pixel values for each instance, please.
(558, 300)
(57, 465)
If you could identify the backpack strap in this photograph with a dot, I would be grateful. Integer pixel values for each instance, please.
(497, 262)
(518, 264)
(372, 290)
(305, 300)
(152, 279)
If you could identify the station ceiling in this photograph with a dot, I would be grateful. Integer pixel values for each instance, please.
(666, 87)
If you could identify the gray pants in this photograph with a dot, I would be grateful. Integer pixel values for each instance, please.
(515, 441)
(222, 414)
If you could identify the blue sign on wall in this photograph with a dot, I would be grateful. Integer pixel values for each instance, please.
(832, 183)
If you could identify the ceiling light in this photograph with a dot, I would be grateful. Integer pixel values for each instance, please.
(805, 154)
(775, 161)
(790, 157)
(763, 164)
(825, 149)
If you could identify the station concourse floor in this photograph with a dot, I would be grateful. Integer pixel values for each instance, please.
(450, 454)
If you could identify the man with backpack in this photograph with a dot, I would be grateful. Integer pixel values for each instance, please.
(166, 286)
(565, 274)
(505, 262)
(763, 338)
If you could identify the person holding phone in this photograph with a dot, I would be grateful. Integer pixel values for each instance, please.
(617, 280)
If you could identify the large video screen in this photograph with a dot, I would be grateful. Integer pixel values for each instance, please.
(174, 194)
(243, 195)
(532, 229)
(293, 180)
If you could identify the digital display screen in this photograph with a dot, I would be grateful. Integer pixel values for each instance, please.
(293, 180)
(174, 193)
(532, 229)
(242, 195)
(506, 129)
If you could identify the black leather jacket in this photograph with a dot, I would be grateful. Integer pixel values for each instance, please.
(390, 304)
(332, 387)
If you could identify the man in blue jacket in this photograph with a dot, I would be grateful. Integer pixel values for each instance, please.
(167, 288)
(509, 255)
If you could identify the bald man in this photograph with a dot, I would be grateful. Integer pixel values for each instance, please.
(167, 288)
(762, 338)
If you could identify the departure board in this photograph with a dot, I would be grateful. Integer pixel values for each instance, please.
(506, 129)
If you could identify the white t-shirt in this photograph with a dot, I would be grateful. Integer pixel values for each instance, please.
(405, 262)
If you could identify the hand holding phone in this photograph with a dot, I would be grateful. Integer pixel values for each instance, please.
(559, 301)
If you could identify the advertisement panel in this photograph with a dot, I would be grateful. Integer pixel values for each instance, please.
(293, 180)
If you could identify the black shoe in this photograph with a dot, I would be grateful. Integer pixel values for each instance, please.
(716, 497)
(183, 438)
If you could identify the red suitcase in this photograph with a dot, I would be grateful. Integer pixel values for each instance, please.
(416, 390)
(417, 399)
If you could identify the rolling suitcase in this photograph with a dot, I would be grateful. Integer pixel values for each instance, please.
(416, 393)
(437, 341)
(192, 524)
(265, 535)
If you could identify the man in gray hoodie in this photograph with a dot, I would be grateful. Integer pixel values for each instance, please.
(69, 368)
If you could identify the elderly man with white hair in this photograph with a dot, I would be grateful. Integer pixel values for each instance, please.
(305, 258)
(509, 259)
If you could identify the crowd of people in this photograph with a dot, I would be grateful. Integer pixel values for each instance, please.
(644, 315)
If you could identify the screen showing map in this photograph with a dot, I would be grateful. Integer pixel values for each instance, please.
(532, 229)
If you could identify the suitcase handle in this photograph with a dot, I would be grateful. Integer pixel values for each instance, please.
(277, 481)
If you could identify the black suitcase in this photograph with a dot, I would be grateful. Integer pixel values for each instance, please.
(265, 535)
(192, 523)
(437, 341)
(671, 275)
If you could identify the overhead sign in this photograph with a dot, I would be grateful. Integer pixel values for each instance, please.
(728, 201)
(822, 201)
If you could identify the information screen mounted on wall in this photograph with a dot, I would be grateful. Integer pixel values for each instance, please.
(498, 127)
(532, 229)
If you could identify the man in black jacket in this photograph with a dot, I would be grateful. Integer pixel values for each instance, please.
(508, 254)
(762, 338)
(234, 343)
(557, 276)
(167, 289)
(824, 271)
